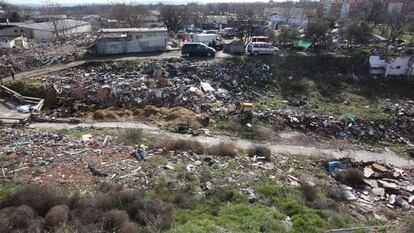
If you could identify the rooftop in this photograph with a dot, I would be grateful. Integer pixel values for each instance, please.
(125, 30)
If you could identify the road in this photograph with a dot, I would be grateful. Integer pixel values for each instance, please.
(296, 151)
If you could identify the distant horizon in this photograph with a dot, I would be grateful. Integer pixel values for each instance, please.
(80, 2)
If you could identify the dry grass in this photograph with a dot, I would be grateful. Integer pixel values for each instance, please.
(113, 219)
(21, 216)
(223, 149)
(108, 211)
(57, 215)
(351, 176)
(180, 144)
(39, 198)
(309, 192)
(260, 151)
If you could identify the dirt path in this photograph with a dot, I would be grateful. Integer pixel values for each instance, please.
(277, 149)
(59, 67)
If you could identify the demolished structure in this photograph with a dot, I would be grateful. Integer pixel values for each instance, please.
(131, 40)
(394, 66)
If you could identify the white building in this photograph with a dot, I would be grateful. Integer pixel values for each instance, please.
(131, 40)
(47, 30)
(284, 15)
(395, 66)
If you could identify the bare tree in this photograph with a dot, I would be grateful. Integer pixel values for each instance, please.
(288, 9)
(395, 24)
(371, 12)
(246, 18)
(52, 10)
(132, 15)
(173, 17)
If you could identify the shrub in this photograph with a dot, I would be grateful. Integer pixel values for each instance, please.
(153, 213)
(181, 144)
(113, 219)
(39, 198)
(129, 227)
(223, 149)
(260, 151)
(132, 136)
(351, 176)
(185, 200)
(336, 193)
(309, 192)
(21, 216)
(57, 215)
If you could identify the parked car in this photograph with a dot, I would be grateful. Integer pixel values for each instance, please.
(197, 49)
(257, 48)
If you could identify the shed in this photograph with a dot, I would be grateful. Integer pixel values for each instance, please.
(131, 40)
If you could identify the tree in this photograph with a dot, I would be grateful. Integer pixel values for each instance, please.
(15, 17)
(133, 15)
(53, 9)
(356, 31)
(287, 34)
(317, 32)
(395, 24)
(246, 18)
(371, 12)
(288, 10)
(173, 17)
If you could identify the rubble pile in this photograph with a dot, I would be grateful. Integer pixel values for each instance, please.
(198, 87)
(218, 89)
(398, 129)
(46, 53)
(371, 184)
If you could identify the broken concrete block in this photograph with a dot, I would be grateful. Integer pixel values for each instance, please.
(388, 185)
(371, 183)
(378, 191)
(368, 172)
(379, 168)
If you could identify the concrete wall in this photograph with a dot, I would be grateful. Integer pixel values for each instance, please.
(16, 31)
(135, 42)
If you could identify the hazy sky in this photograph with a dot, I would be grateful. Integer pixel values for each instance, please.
(127, 1)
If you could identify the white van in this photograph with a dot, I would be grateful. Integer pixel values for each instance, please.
(208, 39)
(257, 48)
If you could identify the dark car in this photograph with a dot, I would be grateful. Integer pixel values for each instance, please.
(197, 49)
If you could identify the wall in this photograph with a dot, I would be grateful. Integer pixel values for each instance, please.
(43, 35)
(136, 42)
(15, 31)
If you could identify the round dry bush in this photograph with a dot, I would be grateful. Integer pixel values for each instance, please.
(113, 219)
(57, 215)
(36, 226)
(21, 216)
(103, 201)
(129, 227)
(99, 115)
(4, 225)
(40, 198)
(90, 215)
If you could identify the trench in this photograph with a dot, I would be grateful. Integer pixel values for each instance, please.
(296, 151)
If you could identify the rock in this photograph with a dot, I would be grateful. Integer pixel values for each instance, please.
(388, 185)
(371, 183)
(378, 191)
(368, 172)
(379, 168)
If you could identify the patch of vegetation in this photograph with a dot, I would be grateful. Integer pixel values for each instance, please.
(398, 148)
(33, 89)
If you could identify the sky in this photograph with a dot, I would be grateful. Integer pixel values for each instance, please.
(74, 2)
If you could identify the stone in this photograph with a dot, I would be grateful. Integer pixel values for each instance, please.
(371, 183)
(379, 168)
(388, 185)
(378, 191)
(368, 172)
